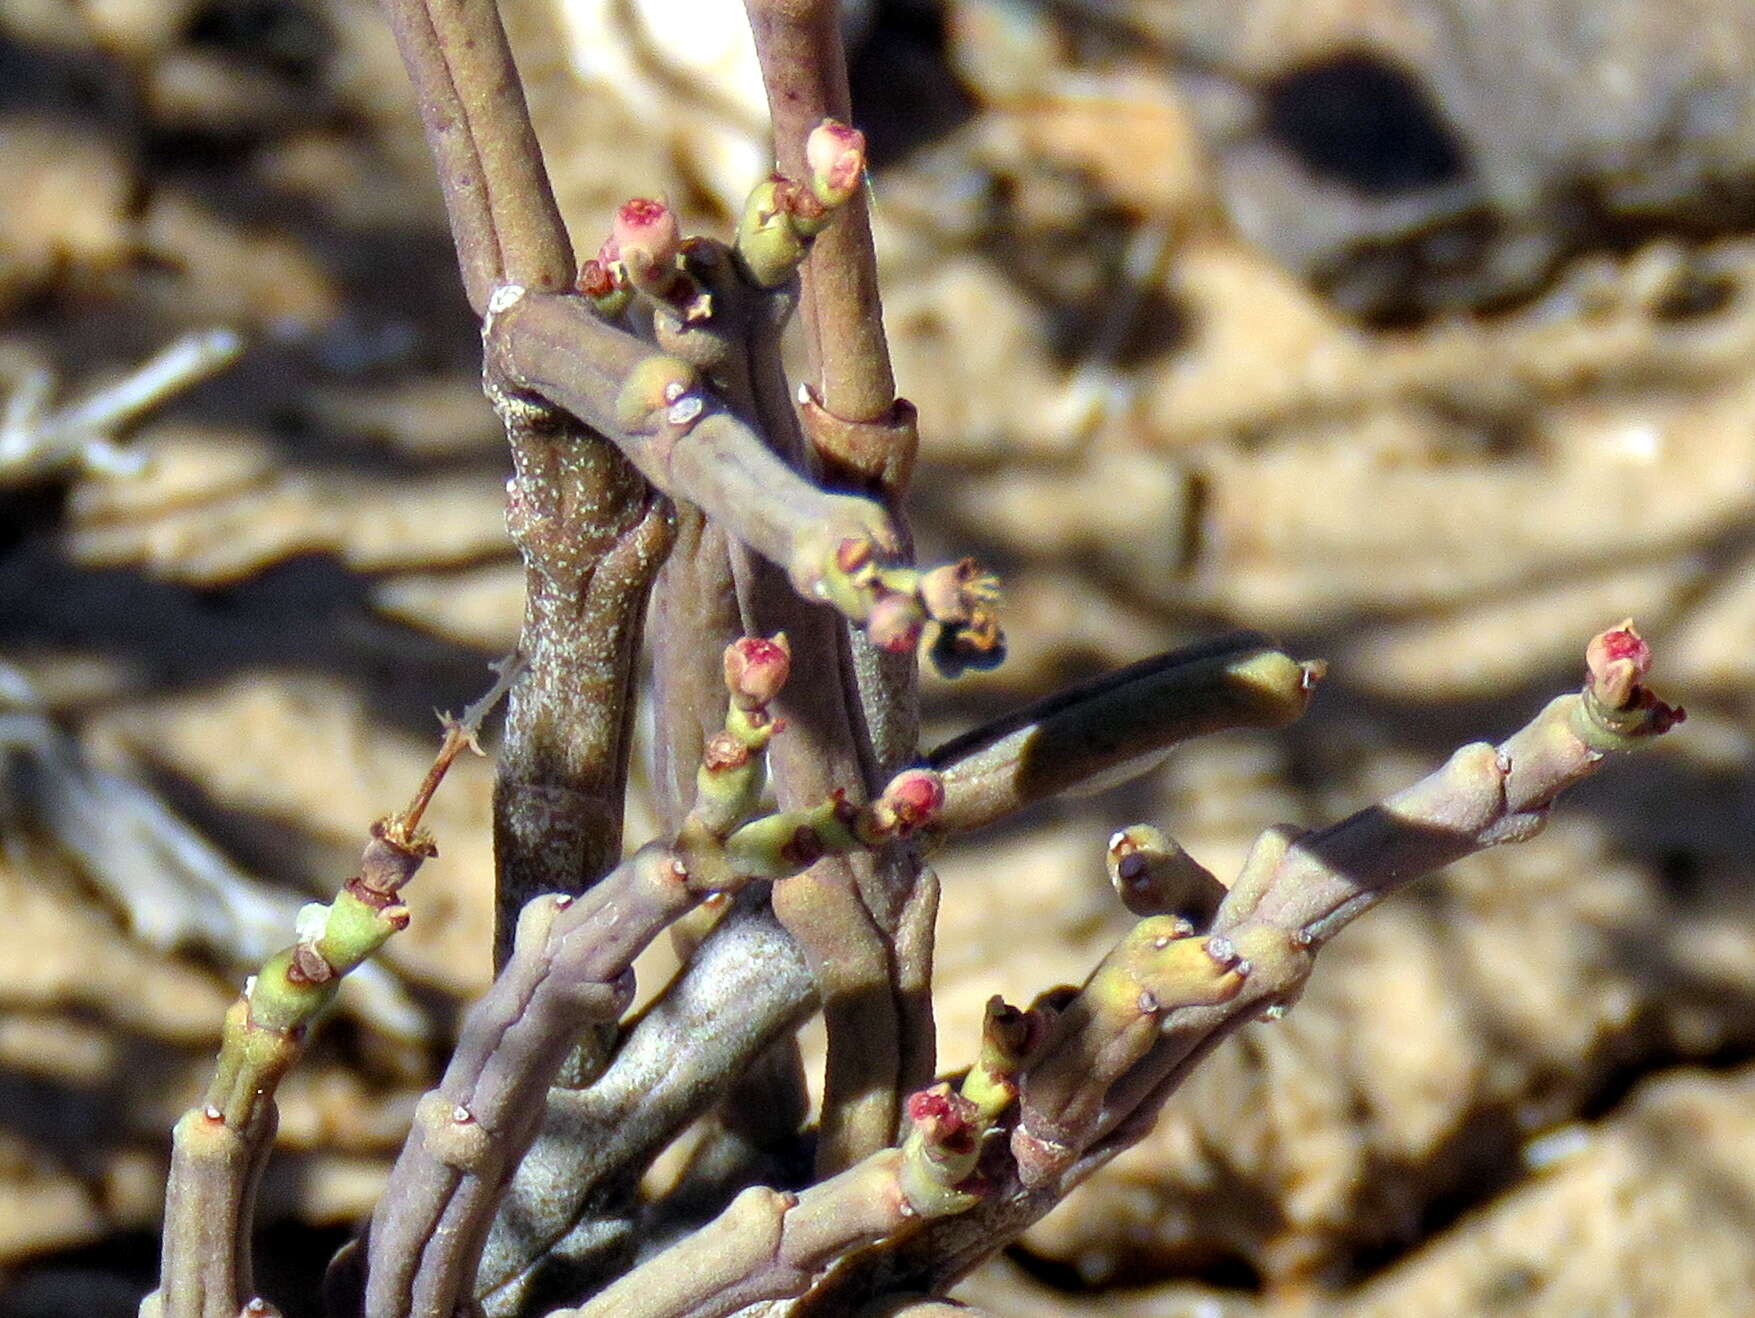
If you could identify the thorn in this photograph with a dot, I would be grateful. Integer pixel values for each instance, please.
(563, 900)
(462, 1115)
(1147, 1002)
(506, 670)
(212, 1113)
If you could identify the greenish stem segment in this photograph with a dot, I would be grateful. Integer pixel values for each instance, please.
(1118, 725)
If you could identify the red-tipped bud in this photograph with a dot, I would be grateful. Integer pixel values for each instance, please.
(1618, 661)
(647, 239)
(929, 1105)
(835, 155)
(596, 280)
(756, 669)
(943, 1118)
(895, 622)
(915, 797)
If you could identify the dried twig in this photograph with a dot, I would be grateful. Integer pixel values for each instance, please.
(37, 440)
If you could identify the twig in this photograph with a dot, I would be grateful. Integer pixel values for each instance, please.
(656, 408)
(497, 194)
(1118, 725)
(220, 1147)
(1165, 998)
(36, 440)
(571, 964)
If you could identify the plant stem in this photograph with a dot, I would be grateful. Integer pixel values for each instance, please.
(503, 217)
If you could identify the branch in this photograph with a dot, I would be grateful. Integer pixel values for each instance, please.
(1118, 725)
(750, 983)
(572, 963)
(746, 987)
(776, 1246)
(683, 440)
(504, 221)
(220, 1147)
(593, 536)
(1165, 997)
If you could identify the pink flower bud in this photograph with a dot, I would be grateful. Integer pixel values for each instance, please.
(1618, 661)
(916, 797)
(943, 1118)
(835, 155)
(756, 669)
(647, 240)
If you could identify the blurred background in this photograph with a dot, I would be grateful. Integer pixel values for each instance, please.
(1418, 332)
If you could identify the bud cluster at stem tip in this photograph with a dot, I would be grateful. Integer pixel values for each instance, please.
(756, 669)
(1617, 662)
(641, 254)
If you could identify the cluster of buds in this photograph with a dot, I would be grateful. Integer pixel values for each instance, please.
(887, 598)
(729, 782)
(946, 1131)
(940, 1151)
(782, 844)
(958, 603)
(782, 215)
(962, 600)
(642, 255)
